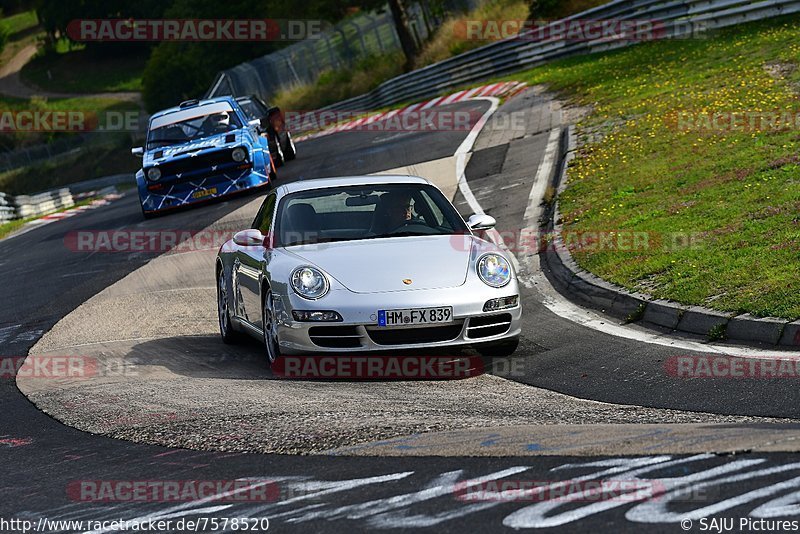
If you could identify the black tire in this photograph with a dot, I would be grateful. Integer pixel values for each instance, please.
(275, 149)
(500, 349)
(287, 146)
(273, 176)
(227, 333)
(146, 215)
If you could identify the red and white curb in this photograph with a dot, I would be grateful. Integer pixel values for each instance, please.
(502, 89)
(106, 199)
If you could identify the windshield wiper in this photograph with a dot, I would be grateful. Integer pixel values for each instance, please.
(399, 234)
(320, 240)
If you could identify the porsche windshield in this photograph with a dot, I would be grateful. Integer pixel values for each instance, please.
(364, 212)
(188, 126)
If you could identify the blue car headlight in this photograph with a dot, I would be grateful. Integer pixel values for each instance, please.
(309, 283)
(239, 154)
(154, 174)
(494, 270)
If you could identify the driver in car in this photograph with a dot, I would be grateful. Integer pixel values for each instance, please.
(394, 211)
(216, 123)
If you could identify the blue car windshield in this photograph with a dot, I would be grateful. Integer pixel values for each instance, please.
(192, 128)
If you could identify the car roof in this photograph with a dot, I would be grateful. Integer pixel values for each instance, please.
(200, 103)
(376, 179)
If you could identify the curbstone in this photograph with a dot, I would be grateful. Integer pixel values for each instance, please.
(587, 288)
(791, 335)
(628, 305)
(664, 313)
(593, 290)
(561, 273)
(699, 320)
(747, 327)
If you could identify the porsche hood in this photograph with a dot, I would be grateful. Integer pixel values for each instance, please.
(395, 264)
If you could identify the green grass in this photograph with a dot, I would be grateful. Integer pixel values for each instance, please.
(447, 41)
(15, 25)
(11, 227)
(736, 193)
(334, 86)
(106, 157)
(79, 69)
(91, 106)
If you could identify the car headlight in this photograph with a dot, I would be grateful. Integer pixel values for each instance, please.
(494, 270)
(239, 154)
(154, 173)
(309, 283)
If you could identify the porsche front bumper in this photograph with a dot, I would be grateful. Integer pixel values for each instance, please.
(359, 330)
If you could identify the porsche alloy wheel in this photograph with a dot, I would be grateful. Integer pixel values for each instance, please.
(226, 331)
(270, 329)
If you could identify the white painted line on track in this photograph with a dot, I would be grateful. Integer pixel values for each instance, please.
(534, 209)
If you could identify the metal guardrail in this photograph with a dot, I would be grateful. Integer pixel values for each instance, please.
(26, 206)
(30, 155)
(678, 18)
(339, 47)
(7, 211)
(43, 203)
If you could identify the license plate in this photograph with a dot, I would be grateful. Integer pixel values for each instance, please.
(204, 193)
(415, 316)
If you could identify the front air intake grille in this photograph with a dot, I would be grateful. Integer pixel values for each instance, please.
(335, 337)
(488, 325)
(410, 336)
(190, 164)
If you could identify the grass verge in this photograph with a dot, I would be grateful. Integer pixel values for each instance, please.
(79, 69)
(11, 227)
(100, 158)
(17, 25)
(97, 113)
(720, 206)
(334, 86)
(449, 40)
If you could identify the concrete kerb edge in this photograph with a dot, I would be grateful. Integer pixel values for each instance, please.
(585, 288)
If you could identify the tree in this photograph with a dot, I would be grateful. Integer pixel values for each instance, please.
(399, 11)
(407, 41)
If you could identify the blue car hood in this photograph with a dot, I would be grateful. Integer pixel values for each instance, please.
(199, 146)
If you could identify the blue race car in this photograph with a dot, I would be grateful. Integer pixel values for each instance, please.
(200, 150)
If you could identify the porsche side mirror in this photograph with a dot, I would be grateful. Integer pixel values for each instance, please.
(255, 123)
(481, 222)
(249, 238)
(138, 151)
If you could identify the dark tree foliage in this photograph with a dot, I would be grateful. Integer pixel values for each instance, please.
(181, 70)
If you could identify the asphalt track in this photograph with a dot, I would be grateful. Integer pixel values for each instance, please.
(43, 281)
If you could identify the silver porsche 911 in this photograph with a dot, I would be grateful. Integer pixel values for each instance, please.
(367, 263)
